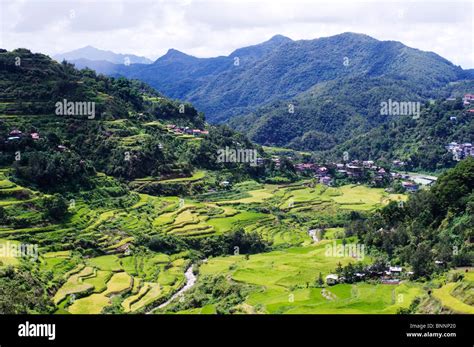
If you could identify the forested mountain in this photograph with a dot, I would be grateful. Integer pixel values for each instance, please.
(313, 95)
(333, 123)
(420, 143)
(126, 136)
(280, 69)
(127, 202)
(434, 226)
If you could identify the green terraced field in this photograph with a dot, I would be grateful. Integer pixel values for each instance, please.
(457, 296)
(281, 282)
(140, 280)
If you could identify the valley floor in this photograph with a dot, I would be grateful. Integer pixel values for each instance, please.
(127, 279)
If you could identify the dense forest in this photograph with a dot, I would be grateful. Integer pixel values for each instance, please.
(433, 230)
(330, 122)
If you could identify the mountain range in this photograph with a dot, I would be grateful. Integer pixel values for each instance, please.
(321, 92)
(85, 56)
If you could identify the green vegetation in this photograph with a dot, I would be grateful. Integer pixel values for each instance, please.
(444, 295)
(432, 226)
(122, 210)
(419, 143)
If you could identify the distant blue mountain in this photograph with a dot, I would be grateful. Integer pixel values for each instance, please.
(280, 69)
(93, 54)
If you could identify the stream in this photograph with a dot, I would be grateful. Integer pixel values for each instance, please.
(190, 281)
(313, 234)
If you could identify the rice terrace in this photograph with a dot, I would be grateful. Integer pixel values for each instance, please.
(261, 168)
(131, 279)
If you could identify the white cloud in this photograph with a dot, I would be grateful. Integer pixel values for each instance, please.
(210, 27)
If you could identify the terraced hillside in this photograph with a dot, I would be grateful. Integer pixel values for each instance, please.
(122, 213)
(284, 282)
(134, 279)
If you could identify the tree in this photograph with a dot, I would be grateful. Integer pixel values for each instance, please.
(22, 291)
(3, 216)
(422, 260)
(454, 187)
(339, 269)
(320, 281)
(56, 207)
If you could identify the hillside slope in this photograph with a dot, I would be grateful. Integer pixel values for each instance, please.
(127, 136)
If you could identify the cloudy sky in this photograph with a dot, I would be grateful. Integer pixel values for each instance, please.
(208, 28)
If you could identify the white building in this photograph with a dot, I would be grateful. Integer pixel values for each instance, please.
(332, 279)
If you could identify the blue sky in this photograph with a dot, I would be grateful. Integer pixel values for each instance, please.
(211, 28)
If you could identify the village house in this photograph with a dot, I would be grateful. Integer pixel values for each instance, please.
(15, 132)
(395, 175)
(468, 99)
(410, 187)
(398, 163)
(395, 270)
(186, 130)
(326, 180)
(392, 275)
(354, 171)
(276, 161)
(342, 172)
(198, 132)
(323, 169)
(332, 279)
(460, 151)
(424, 181)
(368, 164)
(305, 167)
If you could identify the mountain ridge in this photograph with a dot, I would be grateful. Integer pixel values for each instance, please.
(335, 85)
(95, 54)
(222, 87)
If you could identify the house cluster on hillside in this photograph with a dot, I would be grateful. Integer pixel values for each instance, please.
(355, 169)
(186, 130)
(460, 150)
(388, 275)
(320, 172)
(16, 134)
(468, 99)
